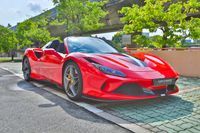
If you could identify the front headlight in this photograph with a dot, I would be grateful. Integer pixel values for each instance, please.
(109, 71)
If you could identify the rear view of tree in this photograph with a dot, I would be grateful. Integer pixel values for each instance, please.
(31, 32)
(173, 18)
(80, 15)
(8, 40)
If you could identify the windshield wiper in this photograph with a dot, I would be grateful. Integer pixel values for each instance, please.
(112, 53)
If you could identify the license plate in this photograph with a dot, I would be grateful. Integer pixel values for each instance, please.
(158, 82)
(162, 95)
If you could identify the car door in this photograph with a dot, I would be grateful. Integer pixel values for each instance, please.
(35, 62)
(52, 62)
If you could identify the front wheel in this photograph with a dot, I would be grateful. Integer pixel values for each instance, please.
(26, 69)
(72, 81)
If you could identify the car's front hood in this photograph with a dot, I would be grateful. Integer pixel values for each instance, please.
(124, 61)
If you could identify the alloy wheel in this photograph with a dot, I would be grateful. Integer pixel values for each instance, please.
(26, 69)
(71, 81)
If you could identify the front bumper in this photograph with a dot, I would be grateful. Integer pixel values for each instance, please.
(121, 97)
(112, 88)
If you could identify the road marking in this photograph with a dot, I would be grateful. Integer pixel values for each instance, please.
(18, 75)
(118, 121)
(7, 75)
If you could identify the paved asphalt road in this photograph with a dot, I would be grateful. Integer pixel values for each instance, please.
(25, 108)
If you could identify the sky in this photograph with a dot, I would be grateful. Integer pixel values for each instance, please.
(14, 11)
(108, 36)
(111, 34)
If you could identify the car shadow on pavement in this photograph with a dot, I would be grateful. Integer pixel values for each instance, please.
(162, 109)
(70, 108)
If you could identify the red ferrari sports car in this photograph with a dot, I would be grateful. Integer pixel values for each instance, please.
(91, 67)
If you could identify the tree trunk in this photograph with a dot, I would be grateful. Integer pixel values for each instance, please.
(165, 40)
(12, 55)
(12, 58)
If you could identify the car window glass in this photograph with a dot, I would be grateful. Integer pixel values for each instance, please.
(46, 45)
(61, 48)
(89, 45)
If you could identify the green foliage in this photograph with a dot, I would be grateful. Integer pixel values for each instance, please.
(80, 15)
(171, 17)
(194, 28)
(117, 41)
(33, 32)
(8, 59)
(117, 38)
(118, 47)
(8, 40)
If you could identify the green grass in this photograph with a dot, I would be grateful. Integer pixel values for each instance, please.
(8, 59)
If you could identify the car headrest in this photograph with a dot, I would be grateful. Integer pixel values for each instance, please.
(55, 44)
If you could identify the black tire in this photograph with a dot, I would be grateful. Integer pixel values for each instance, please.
(72, 81)
(26, 68)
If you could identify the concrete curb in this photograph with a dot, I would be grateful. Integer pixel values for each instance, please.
(118, 121)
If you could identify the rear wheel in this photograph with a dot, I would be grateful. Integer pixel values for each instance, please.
(72, 81)
(26, 69)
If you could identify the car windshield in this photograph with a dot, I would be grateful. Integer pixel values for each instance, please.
(90, 45)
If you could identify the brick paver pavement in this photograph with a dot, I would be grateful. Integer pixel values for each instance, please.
(179, 113)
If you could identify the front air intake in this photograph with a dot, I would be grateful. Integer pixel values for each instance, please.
(129, 89)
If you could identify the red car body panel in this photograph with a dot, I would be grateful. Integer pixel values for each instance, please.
(97, 84)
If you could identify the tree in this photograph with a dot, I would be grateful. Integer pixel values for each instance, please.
(33, 32)
(172, 17)
(9, 25)
(8, 40)
(80, 15)
(117, 38)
